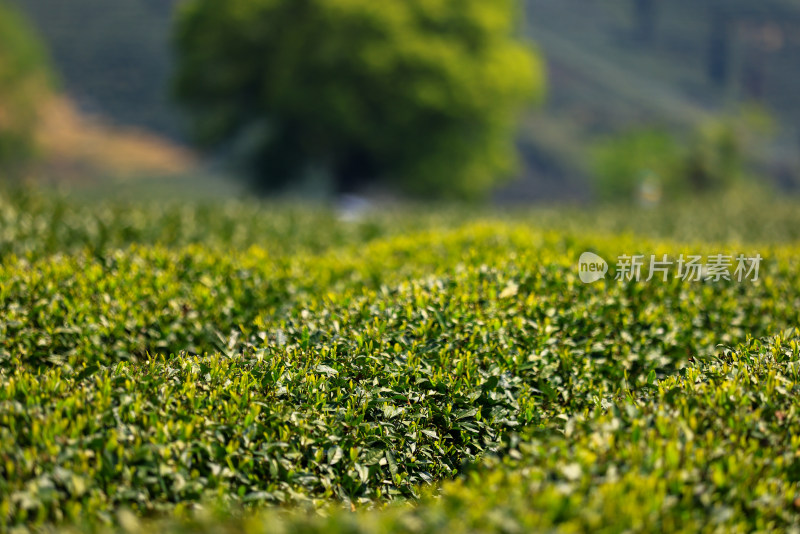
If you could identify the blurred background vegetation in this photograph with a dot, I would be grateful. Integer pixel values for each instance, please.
(24, 80)
(422, 94)
(647, 101)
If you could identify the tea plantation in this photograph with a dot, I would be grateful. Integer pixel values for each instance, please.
(255, 368)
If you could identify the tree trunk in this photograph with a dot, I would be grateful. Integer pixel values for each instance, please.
(644, 14)
(719, 48)
(354, 172)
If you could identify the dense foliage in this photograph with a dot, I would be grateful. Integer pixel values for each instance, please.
(24, 79)
(423, 93)
(711, 449)
(176, 367)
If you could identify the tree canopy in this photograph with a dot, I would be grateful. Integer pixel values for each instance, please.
(420, 93)
(24, 80)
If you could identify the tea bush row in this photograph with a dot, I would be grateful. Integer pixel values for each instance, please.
(154, 379)
(712, 448)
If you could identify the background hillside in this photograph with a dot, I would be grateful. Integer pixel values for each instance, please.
(113, 57)
(613, 65)
(619, 63)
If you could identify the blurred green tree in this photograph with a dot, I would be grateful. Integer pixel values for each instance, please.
(718, 154)
(420, 93)
(623, 164)
(725, 151)
(25, 78)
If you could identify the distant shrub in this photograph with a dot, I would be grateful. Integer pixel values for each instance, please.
(724, 151)
(628, 164)
(643, 164)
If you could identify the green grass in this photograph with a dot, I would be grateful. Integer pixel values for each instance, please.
(254, 368)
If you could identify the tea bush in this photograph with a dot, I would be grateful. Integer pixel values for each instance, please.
(237, 370)
(702, 451)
